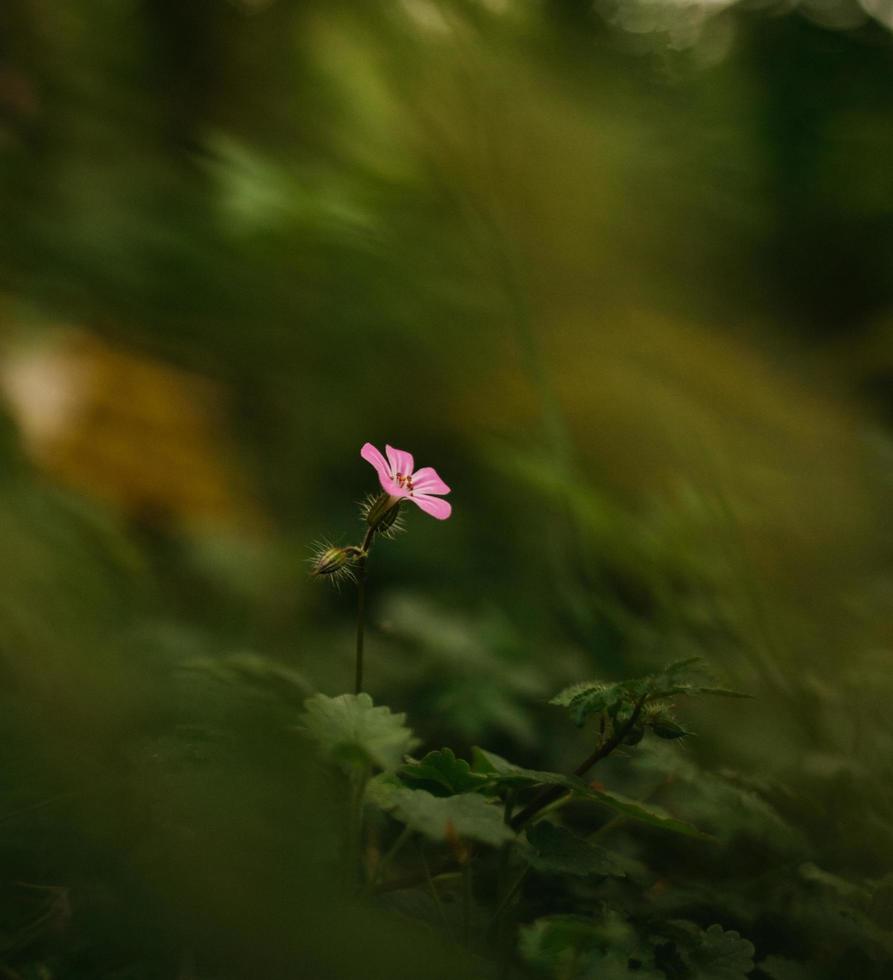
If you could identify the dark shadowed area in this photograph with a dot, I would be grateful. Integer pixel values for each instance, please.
(622, 272)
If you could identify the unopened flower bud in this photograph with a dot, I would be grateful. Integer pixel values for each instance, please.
(332, 560)
(669, 730)
(382, 512)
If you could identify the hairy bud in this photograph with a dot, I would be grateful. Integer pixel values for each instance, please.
(334, 561)
(381, 512)
(669, 730)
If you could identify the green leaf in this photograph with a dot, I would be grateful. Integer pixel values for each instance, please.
(723, 692)
(471, 816)
(505, 773)
(556, 850)
(554, 940)
(442, 774)
(685, 667)
(553, 943)
(350, 730)
(586, 689)
(575, 947)
(648, 813)
(711, 954)
(690, 677)
(833, 883)
(780, 968)
(261, 672)
(589, 698)
(669, 730)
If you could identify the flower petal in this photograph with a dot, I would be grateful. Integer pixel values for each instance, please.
(373, 456)
(426, 480)
(441, 509)
(394, 489)
(401, 461)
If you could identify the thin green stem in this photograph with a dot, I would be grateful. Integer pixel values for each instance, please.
(391, 853)
(510, 894)
(361, 607)
(552, 793)
(500, 924)
(355, 870)
(434, 893)
(361, 623)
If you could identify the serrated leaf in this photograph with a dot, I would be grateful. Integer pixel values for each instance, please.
(591, 698)
(575, 692)
(714, 953)
(443, 774)
(353, 731)
(574, 946)
(553, 939)
(470, 815)
(684, 677)
(556, 850)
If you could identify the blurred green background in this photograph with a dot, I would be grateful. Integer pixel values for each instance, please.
(621, 271)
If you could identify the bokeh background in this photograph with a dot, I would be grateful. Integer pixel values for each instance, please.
(622, 271)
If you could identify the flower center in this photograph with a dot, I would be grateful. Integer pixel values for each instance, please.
(404, 481)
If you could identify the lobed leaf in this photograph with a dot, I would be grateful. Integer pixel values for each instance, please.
(606, 947)
(713, 953)
(684, 677)
(468, 815)
(352, 731)
(591, 698)
(443, 774)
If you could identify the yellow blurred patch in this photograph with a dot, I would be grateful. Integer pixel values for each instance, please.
(143, 436)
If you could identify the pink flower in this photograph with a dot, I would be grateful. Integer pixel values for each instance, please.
(398, 479)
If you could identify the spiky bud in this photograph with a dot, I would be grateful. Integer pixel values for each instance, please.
(669, 730)
(381, 512)
(334, 561)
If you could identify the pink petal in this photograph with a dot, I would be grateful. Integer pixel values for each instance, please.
(394, 489)
(401, 462)
(427, 481)
(373, 456)
(441, 509)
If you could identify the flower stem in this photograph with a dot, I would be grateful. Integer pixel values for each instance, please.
(361, 607)
(354, 850)
(435, 895)
(551, 793)
(509, 894)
